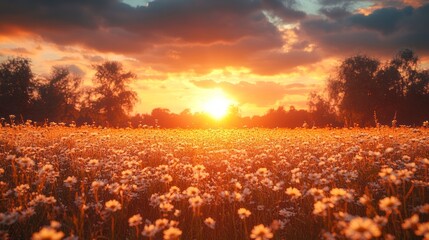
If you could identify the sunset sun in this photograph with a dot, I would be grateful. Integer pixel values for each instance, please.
(217, 106)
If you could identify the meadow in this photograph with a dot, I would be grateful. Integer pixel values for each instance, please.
(61, 182)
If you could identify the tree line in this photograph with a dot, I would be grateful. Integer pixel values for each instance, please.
(362, 91)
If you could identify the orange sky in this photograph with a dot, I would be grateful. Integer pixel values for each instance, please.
(259, 53)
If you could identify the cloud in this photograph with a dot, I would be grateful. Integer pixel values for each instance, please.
(201, 34)
(261, 93)
(382, 32)
(198, 36)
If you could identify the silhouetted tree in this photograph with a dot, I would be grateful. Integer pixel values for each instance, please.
(363, 87)
(352, 89)
(57, 96)
(162, 117)
(113, 100)
(411, 87)
(16, 87)
(321, 111)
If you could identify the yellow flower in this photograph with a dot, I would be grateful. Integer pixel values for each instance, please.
(48, 233)
(260, 232)
(362, 228)
(135, 220)
(149, 230)
(293, 192)
(243, 213)
(172, 233)
(113, 205)
(389, 204)
(411, 222)
(210, 222)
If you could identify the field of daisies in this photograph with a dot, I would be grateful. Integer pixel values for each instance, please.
(62, 182)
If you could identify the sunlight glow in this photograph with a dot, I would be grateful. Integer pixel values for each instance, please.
(217, 106)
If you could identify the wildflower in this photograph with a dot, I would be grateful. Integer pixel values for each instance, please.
(364, 200)
(48, 233)
(389, 175)
(389, 204)
(316, 193)
(70, 181)
(174, 190)
(195, 201)
(411, 222)
(425, 161)
(166, 207)
(380, 220)
(177, 213)
(362, 228)
(166, 178)
(260, 232)
(28, 213)
(161, 223)
(97, 184)
(243, 213)
(172, 233)
(149, 230)
(263, 172)
(93, 163)
(21, 189)
(55, 224)
(135, 220)
(237, 197)
(423, 230)
(320, 208)
(339, 193)
(424, 208)
(286, 213)
(113, 205)
(293, 192)
(25, 162)
(210, 222)
(192, 191)
(389, 150)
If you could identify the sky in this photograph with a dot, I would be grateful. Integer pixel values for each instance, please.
(259, 54)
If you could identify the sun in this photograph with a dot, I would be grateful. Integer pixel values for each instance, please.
(217, 106)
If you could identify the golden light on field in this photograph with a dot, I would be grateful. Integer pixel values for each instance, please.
(217, 106)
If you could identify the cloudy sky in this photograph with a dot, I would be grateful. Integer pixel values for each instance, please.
(258, 53)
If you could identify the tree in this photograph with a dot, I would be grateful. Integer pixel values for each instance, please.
(321, 111)
(16, 87)
(411, 87)
(58, 95)
(113, 100)
(363, 88)
(352, 89)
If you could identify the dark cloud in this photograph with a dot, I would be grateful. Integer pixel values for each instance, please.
(203, 34)
(385, 20)
(187, 20)
(261, 93)
(335, 12)
(199, 35)
(336, 2)
(283, 9)
(382, 32)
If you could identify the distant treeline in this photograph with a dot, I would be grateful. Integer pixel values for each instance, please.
(361, 92)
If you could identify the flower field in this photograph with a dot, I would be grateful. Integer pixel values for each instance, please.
(62, 182)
